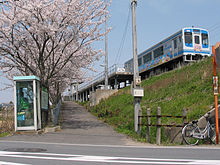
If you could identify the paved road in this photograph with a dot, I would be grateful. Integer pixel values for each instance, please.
(86, 140)
(78, 154)
(79, 127)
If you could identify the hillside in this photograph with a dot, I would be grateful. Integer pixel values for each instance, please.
(187, 87)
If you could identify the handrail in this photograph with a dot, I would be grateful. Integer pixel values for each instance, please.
(100, 77)
(56, 113)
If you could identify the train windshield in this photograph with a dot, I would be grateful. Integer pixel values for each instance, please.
(205, 40)
(188, 38)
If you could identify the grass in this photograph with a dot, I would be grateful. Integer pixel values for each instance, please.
(188, 87)
(4, 134)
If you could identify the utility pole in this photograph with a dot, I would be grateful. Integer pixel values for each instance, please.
(216, 91)
(136, 91)
(106, 51)
(134, 39)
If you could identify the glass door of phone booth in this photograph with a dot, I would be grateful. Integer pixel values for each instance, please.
(27, 103)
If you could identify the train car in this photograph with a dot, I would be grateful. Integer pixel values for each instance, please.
(187, 45)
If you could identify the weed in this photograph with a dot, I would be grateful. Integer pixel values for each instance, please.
(189, 87)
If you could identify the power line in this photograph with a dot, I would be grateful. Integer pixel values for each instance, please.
(215, 36)
(213, 26)
(123, 38)
(214, 29)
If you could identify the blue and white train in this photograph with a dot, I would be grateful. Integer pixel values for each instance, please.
(187, 45)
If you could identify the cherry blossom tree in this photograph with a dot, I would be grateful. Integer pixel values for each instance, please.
(52, 39)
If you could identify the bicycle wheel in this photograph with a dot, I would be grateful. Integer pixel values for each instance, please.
(187, 134)
(212, 133)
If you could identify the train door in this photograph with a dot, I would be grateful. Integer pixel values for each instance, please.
(197, 45)
(197, 42)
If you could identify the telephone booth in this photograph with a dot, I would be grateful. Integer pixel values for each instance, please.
(27, 103)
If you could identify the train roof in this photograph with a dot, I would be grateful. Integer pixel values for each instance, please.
(194, 28)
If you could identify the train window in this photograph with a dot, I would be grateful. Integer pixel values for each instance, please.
(188, 37)
(147, 57)
(175, 43)
(197, 39)
(158, 52)
(205, 39)
(180, 39)
(140, 61)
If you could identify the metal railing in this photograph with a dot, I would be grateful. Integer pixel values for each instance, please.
(56, 113)
(101, 76)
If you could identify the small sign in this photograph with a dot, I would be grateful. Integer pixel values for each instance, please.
(21, 116)
(138, 92)
(215, 85)
(121, 70)
(138, 80)
(217, 56)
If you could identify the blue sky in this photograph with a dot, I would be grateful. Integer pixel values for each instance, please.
(156, 20)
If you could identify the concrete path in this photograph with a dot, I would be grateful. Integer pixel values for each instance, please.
(78, 127)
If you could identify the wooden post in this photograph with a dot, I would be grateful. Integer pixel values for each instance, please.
(158, 136)
(148, 125)
(184, 116)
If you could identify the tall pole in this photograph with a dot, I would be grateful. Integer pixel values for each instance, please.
(134, 38)
(106, 51)
(136, 78)
(216, 96)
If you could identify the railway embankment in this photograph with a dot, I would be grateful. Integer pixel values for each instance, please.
(187, 87)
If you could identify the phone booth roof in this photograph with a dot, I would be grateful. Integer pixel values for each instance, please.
(20, 78)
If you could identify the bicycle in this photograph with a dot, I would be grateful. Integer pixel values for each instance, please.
(191, 132)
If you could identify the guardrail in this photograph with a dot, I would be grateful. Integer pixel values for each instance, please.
(56, 113)
(101, 76)
(158, 123)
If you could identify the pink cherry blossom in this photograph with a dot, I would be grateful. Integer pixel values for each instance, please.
(52, 39)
